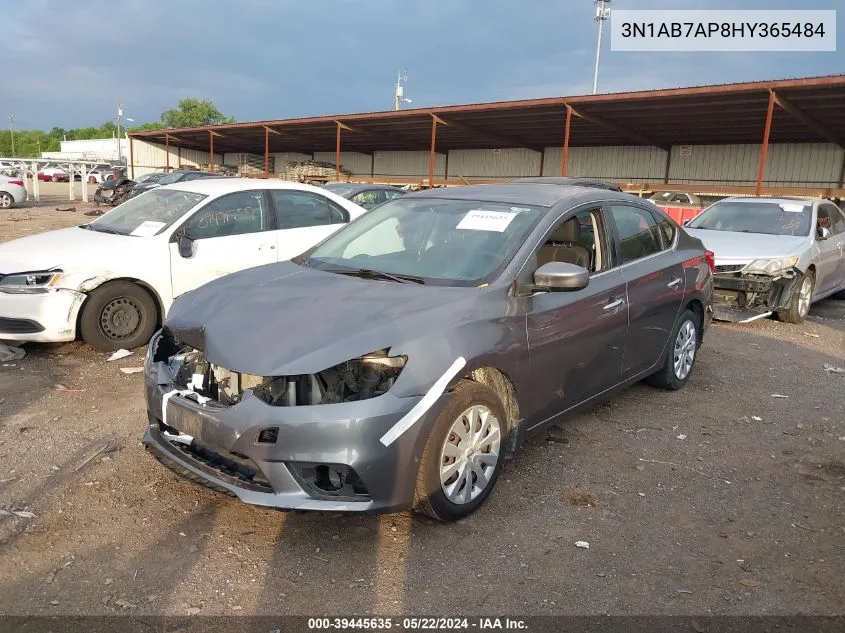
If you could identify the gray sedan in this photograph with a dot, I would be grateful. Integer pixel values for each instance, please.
(773, 255)
(364, 195)
(398, 362)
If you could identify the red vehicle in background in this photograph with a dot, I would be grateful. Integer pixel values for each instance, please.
(51, 173)
(678, 205)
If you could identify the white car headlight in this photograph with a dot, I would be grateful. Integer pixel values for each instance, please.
(37, 282)
(770, 266)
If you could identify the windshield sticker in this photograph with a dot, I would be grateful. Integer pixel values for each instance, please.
(478, 220)
(148, 228)
(793, 208)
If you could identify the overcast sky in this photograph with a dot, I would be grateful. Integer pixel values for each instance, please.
(69, 63)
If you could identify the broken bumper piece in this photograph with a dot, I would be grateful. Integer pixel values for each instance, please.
(43, 318)
(316, 457)
(740, 298)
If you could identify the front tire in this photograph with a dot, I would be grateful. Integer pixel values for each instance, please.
(799, 303)
(463, 455)
(118, 315)
(679, 360)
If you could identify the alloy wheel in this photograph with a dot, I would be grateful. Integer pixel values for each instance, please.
(5, 201)
(804, 296)
(470, 454)
(684, 353)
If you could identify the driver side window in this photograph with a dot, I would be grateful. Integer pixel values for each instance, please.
(831, 218)
(578, 240)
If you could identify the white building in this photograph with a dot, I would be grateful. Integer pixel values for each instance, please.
(100, 150)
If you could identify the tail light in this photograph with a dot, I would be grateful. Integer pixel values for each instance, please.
(711, 260)
(19, 183)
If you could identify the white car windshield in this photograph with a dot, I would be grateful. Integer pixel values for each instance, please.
(437, 241)
(149, 214)
(769, 218)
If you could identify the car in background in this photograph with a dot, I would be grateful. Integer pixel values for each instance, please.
(10, 168)
(367, 196)
(112, 280)
(12, 191)
(678, 205)
(98, 174)
(160, 179)
(53, 173)
(773, 255)
(573, 181)
(400, 361)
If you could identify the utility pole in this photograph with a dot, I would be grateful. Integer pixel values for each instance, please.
(12, 132)
(399, 96)
(602, 14)
(119, 121)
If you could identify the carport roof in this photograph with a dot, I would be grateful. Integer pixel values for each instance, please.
(810, 110)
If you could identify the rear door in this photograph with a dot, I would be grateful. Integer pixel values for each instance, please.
(230, 233)
(302, 219)
(655, 276)
(577, 339)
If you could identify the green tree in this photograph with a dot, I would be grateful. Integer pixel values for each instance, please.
(192, 112)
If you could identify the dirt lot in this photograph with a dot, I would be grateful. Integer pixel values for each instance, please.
(718, 499)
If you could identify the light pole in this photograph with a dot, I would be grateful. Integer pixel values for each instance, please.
(602, 14)
(12, 132)
(119, 120)
(399, 96)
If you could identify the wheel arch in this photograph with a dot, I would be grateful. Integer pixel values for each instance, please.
(501, 384)
(90, 286)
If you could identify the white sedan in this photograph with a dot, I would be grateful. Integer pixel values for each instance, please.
(112, 280)
(12, 191)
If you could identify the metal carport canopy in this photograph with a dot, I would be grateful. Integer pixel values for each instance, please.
(809, 110)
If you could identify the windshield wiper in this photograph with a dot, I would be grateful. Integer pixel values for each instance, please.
(368, 273)
(91, 227)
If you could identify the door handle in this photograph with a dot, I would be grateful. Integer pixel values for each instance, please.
(614, 304)
(674, 283)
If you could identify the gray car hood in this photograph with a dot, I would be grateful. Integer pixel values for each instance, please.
(284, 319)
(730, 246)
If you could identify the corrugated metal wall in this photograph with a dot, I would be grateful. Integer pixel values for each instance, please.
(620, 164)
(358, 164)
(408, 164)
(787, 164)
(147, 157)
(493, 163)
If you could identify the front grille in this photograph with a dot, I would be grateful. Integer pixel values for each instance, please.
(729, 268)
(19, 326)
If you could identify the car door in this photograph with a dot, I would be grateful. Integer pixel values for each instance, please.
(838, 233)
(228, 234)
(829, 271)
(303, 219)
(655, 278)
(576, 339)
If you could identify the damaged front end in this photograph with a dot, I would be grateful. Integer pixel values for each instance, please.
(746, 292)
(367, 376)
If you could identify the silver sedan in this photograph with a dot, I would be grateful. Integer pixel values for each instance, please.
(773, 255)
(12, 191)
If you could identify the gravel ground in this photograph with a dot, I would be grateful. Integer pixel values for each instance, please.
(718, 499)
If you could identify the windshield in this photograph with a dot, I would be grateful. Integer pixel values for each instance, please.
(169, 179)
(769, 218)
(151, 177)
(148, 214)
(446, 242)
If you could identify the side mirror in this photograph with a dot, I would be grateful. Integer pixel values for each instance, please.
(822, 232)
(186, 246)
(561, 276)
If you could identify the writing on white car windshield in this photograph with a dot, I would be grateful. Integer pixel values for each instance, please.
(769, 218)
(149, 214)
(434, 241)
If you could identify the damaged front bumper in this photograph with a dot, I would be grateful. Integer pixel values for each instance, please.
(48, 317)
(741, 297)
(328, 457)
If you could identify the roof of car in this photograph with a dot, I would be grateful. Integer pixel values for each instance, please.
(536, 194)
(217, 186)
(569, 180)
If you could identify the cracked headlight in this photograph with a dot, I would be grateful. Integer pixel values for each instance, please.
(770, 266)
(37, 282)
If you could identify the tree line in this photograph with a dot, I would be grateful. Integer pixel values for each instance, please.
(190, 112)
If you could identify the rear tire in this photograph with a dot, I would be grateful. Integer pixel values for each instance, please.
(799, 303)
(6, 200)
(118, 315)
(681, 352)
(477, 456)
